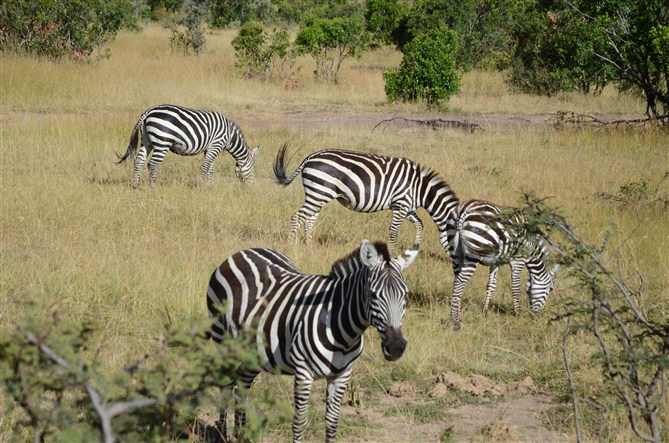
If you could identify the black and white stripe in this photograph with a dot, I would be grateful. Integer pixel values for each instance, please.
(310, 326)
(186, 131)
(480, 237)
(368, 183)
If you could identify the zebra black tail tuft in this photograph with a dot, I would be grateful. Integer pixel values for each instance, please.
(132, 146)
(280, 166)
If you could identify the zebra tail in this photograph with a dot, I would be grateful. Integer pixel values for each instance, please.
(134, 138)
(280, 167)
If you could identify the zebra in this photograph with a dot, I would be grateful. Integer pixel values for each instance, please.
(309, 326)
(368, 183)
(480, 237)
(188, 132)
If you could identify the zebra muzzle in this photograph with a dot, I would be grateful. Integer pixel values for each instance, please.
(393, 344)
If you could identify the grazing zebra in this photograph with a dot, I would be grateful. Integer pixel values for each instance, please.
(368, 183)
(480, 238)
(310, 326)
(188, 132)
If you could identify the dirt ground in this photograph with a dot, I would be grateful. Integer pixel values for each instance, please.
(499, 413)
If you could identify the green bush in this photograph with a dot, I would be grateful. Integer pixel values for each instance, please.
(383, 17)
(261, 54)
(427, 71)
(48, 368)
(188, 26)
(64, 28)
(330, 42)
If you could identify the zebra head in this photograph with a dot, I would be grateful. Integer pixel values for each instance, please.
(386, 300)
(245, 167)
(539, 285)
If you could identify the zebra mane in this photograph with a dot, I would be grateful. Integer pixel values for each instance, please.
(346, 265)
(430, 174)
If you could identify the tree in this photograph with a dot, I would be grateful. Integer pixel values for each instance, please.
(427, 71)
(583, 44)
(261, 54)
(483, 27)
(383, 17)
(188, 26)
(331, 41)
(64, 28)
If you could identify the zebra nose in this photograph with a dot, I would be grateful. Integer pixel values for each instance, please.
(394, 344)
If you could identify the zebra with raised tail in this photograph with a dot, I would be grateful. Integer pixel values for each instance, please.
(368, 183)
(481, 237)
(186, 131)
(310, 326)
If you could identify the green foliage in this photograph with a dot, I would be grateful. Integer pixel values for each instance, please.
(427, 71)
(483, 28)
(583, 45)
(299, 11)
(632, 341)
(47, 369)
(383, 17)
(64, 28)
(331, 41)
(556, 53)
(188, 26)
(261, 54)
(227, 14)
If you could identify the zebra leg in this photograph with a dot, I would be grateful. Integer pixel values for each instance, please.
(490, 287)
(462, 276)
(305, 215)
(244, 381)
(413, 218)
(207, 169)
(156, 160)
(335, 392)
(399, 214)
(302, 389)
(516, 271)
(140, 159)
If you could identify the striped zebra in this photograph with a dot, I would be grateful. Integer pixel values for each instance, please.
(481, 238)
(368, 183)
(310, 326)
(188, 132)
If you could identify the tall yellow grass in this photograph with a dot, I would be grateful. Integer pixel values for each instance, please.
(75, 234)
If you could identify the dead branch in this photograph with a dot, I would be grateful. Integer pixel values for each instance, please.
(564, 119)
(437, 123)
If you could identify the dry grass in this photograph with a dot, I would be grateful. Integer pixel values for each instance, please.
(76, 234)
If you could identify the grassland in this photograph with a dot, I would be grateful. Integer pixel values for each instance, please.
(75, 234)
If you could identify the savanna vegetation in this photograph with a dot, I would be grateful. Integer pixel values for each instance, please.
(117, 269)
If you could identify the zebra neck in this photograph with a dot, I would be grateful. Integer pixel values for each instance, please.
(438, 199)
(348, 312)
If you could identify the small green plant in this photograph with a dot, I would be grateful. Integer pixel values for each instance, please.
(331, 41)
(261, 54)
(427, 71)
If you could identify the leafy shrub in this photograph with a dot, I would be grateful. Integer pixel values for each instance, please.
(427, 71)
(383, 17)
(188, 26)
(46, 369)
(225, 13)
(66, 28)
(263, 55)
(330, 42)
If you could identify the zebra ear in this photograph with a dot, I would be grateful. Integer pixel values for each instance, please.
(255, 151)
(408, 256)
(369, 255)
